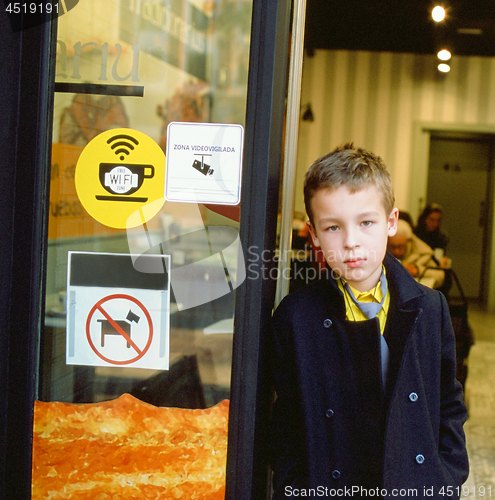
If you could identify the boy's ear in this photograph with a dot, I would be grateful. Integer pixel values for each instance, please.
(312, 232)
(392, 222)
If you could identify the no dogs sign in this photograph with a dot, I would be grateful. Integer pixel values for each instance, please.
(117, 315)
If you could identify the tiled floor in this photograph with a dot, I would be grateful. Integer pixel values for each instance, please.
(480, 398)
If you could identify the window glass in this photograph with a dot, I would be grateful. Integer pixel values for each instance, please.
(140, 65)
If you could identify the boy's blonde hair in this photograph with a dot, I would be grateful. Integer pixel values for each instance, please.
(355, 168)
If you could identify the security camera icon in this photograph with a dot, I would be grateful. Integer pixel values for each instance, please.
(202, 167)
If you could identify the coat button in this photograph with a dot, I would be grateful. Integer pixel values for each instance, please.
(329, 413)
(335, 474)
(327, 323)
(413, 397)
(420, 459)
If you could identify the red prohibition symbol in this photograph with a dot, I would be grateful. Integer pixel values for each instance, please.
(98, 307)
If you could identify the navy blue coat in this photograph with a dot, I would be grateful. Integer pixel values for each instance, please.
(335, 427)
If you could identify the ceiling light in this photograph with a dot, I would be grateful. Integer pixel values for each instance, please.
(444, 55)
(438, 13)
(444, 68)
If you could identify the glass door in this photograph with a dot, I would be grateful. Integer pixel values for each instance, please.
(136, 351)
(140, 65)
(136, 323)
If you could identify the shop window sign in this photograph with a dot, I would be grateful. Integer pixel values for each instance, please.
(173, 31)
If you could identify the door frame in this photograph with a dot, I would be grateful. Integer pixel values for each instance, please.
(422, 131)
(28, 87)
(24, 195)
(251, 393)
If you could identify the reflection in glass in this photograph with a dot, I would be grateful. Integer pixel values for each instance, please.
(191, 59)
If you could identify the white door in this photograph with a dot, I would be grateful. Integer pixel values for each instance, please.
(458, 179)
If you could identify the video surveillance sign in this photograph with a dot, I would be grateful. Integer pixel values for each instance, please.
(116, 315)
(204, 163)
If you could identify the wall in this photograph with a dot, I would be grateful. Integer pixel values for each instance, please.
(374, 100)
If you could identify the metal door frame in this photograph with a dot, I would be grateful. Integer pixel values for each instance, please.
(247, 468)
(28, 86)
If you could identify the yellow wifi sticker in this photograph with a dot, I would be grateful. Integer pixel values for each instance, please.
(119, 172)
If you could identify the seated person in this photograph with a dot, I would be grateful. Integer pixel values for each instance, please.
(428, 230)
(414, 254)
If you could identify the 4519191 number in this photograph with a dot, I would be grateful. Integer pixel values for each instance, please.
(466, 491)
(31, 8)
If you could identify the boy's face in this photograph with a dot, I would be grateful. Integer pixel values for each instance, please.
(352, 230)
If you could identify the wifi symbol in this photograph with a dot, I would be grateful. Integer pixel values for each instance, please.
(122, 147)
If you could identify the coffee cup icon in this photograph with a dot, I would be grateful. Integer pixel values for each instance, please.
(124, 179)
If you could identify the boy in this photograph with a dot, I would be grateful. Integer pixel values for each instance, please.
(364, 370)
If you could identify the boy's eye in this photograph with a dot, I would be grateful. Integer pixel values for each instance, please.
(366, 223)
(333, 228)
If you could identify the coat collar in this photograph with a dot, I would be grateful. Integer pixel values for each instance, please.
(403, 287)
